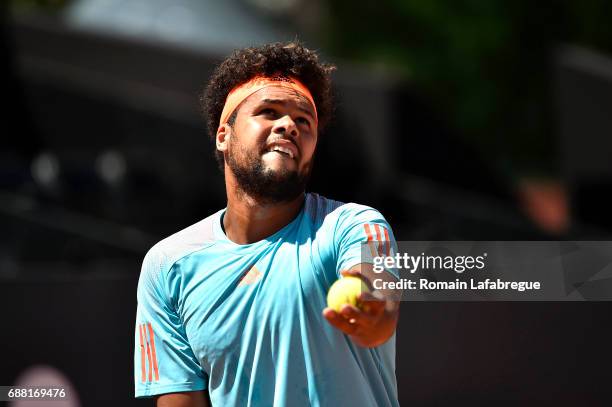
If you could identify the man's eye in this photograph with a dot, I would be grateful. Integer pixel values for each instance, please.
(303, 120)
(267, 112)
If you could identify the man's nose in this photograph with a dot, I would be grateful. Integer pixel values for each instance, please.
(285, 125)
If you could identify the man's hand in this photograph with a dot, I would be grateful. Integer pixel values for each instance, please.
(375, 323)
(185, 399)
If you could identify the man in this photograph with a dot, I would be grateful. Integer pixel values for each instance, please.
(232, 310)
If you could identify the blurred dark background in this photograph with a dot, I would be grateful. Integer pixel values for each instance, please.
(464, 120)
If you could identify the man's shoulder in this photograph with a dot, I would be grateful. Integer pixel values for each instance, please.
(321, 209)
(183, 243)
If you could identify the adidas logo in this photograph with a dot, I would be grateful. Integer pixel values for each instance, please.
(250, 277)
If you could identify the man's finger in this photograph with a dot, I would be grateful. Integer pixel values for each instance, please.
(364, 318)
(351, 273)
(350, 312)
(339, 322)
(372, 304)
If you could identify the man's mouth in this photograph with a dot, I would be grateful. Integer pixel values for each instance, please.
(282, 150)
(284, 147)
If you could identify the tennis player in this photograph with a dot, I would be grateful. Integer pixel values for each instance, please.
(232, 310)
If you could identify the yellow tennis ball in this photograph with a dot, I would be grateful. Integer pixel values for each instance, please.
(345, 291)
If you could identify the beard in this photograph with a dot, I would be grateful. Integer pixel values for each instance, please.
(264, 184)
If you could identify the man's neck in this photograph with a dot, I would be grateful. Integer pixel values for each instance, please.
(248, 219)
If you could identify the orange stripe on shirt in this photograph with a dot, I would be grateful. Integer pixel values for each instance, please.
(142, 356)
(388, 240)
(150, 370)
(370, 238)
(379, 240)
(152, 338)
(385, 241)
(368, 232)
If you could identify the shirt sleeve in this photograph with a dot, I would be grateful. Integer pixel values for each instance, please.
(163, 359)
(362, 233)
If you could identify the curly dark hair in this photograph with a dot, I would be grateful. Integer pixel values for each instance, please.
(287, 59)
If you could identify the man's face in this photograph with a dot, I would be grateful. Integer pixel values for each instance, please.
(272, 143)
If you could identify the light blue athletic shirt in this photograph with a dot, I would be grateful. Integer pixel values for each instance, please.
(245, 322)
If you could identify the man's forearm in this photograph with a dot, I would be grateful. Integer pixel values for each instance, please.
(186, 399)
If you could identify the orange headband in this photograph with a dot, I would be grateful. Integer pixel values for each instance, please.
(241, 92)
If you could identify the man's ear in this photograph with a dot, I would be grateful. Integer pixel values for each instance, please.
(222, 137)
